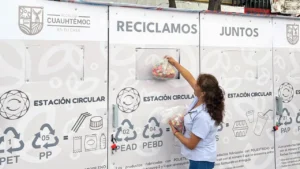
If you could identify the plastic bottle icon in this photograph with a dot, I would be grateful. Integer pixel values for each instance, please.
(102, 141)
(260, 123)
(250, 116)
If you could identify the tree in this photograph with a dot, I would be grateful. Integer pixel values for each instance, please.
(172, 4)
(214, 5)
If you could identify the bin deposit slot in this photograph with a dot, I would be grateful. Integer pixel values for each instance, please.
(294, 70)
(146, 58)
(243, 63)
(46, 62)
(12, 64)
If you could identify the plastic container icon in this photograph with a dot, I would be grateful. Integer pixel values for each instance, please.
(250, 116)
(260, 123)
(240, 128)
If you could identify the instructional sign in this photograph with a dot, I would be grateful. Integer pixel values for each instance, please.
(53, 87)
(87, 85)
(286, 86)
(242, 63)
(138, 97)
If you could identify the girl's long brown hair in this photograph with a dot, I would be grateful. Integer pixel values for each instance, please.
(214, 96)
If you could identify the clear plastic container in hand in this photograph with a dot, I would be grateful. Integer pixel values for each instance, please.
(178, 121)
(175, 115)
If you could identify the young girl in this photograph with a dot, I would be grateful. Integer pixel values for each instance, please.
(202, 120)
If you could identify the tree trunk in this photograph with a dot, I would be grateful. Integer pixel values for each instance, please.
(172, 4)
(214, 5)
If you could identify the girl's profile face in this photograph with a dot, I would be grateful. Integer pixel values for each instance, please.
(197, 90)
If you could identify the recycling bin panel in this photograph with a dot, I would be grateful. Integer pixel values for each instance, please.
(242, 63)
(139, 39)
(287, 86)
(53, 85)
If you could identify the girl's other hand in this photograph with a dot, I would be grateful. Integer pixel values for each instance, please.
(172, 127)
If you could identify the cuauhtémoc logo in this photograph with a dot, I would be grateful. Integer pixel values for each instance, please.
(32, 20)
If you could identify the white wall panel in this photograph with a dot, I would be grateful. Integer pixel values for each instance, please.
(146, 35)
(287, 85)
(53, 85)
(238, 51)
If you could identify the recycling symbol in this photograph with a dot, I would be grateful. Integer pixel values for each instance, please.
(126, 131)
(286, 91)
(45, 138)
(152, 129)
(128, 100)
(16, 136)
(14, 104)
(286, 122)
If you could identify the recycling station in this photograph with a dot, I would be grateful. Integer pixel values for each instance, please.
(77, 91)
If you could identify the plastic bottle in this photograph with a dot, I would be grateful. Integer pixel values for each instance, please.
(102, 141)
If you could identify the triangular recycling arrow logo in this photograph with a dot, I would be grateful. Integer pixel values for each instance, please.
(45, 140)
(128, 134)
(152, 131)
(288, 119)
(13, 148)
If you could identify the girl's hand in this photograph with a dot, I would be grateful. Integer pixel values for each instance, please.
(172, 127)
(183, 71)
(171, 60)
